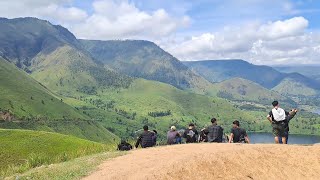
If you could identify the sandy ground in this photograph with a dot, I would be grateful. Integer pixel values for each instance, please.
(215, 161)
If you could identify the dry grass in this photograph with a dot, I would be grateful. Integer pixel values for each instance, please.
(212, 161)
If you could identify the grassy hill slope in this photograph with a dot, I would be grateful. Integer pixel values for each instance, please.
(68, 70)
(290, 86)
(160, 106)
(25, 97)
(32, 106)
(24, 149)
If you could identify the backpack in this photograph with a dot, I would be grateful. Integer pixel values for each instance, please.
(191, 133)
(278, 114)
(124, 147)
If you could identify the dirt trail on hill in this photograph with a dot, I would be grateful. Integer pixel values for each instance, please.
(215, 161)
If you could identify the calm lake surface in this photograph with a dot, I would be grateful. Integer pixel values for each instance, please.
(293, 138)
(317, 111)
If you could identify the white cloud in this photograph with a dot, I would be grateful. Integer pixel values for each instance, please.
(287, 28)
(121, 19)
(110, 19)
(62, 14)
(274, 42)
(47, 9)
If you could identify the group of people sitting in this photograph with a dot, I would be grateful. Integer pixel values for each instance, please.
(278, 118)
(213, 133)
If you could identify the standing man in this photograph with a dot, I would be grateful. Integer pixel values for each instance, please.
(146, 139)
(238, 135)
(291, 115)
(279, 119)
(214, 132)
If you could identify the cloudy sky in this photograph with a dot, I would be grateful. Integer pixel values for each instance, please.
(259, 31)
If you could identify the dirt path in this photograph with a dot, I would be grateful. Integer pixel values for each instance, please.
(215, 161)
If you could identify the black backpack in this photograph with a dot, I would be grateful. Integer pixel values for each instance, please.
(124, 147)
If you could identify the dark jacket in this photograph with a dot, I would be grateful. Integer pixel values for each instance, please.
(191, 135)
(239, 135)
(146, 139)
(214, 133)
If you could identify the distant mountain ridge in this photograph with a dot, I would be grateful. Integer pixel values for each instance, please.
(23, 38)
(24, 41)
(268, 77)
(311, 71)
(144, 59)
(239, 89)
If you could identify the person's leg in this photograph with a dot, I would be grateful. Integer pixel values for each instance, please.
(284, 140)
(280, 139)
(287, 137)
(275, 132)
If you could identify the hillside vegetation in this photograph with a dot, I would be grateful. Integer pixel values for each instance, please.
(160, 106)
(291, 87)
(23, 149)
(238, 89)
(68, 70)
(22, 96)
(144, 59)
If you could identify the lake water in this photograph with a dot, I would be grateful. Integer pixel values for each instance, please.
(293, 138)
(317, 111)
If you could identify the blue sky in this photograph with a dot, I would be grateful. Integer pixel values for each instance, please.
(259, 31)
(212, 14)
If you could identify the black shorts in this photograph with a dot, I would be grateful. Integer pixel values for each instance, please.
(278, 129)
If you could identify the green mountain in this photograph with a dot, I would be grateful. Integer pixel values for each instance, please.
(26, 103)
(23, 38)
(68, 71)
(268, 77)
(144, 59)
(311, 71)
(290, 86)
(22, 96)
(239, 89)
(53, 56)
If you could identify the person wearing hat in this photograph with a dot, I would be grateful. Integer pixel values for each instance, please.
(172, 135)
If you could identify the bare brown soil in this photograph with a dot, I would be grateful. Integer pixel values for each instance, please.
(215, 161)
